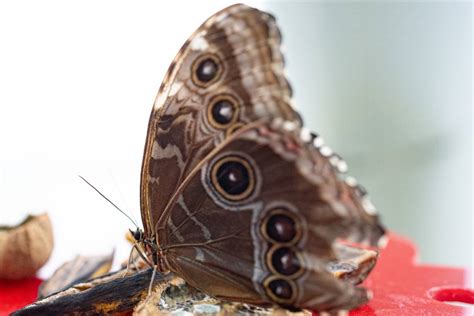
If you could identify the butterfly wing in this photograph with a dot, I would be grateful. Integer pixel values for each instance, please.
(229, 73)
(256, 222)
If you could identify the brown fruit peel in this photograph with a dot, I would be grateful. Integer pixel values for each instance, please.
(26, 247)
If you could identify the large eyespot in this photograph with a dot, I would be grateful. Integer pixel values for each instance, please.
(233, 177)
(280, 290)
(284, 261)
(206, 70)
(281, 226)
(222, 111)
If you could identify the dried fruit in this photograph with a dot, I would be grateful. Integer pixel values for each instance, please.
(26, 247)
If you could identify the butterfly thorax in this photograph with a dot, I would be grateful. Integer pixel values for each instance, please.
(152, 252)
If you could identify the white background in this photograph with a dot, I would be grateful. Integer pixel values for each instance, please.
(387, 85)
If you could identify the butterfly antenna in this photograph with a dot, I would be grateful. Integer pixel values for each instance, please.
(96, 190)
(121, 193)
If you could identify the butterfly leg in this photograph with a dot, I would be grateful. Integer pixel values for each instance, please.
(130, 260)
(143, 256)
(149, 296)
(136, 247)
(153, 276)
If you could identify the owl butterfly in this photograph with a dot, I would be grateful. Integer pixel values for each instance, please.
(236, 197)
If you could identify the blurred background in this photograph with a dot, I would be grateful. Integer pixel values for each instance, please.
(388, 85)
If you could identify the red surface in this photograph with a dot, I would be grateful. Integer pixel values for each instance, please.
(16, 294)
(399, 285)
(402, 287)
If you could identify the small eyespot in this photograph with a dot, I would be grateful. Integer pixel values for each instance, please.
(206, 70)
(285, 261)
(223, 111)
(233, 178)
(280, 290)
(281, 228)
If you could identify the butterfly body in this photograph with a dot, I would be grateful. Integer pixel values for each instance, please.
(237, 198)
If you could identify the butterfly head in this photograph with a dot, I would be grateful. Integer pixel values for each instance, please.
(137, 234)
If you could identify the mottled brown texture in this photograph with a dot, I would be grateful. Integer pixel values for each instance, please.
(204, 223)
(26, 247)
(224, 264)
(252, 74)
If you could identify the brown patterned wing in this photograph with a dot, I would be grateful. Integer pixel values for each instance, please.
(258, 219)
(229, 73)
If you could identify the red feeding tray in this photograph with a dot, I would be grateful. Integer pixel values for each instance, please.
(403, 287)
(399, 285)
(16, 294)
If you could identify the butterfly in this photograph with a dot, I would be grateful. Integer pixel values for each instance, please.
(237, 197)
